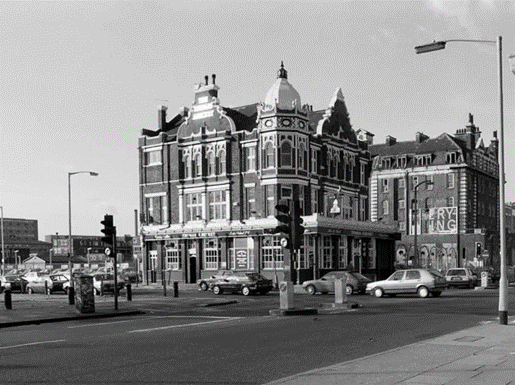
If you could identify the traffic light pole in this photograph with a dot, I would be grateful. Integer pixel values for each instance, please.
(115, 272)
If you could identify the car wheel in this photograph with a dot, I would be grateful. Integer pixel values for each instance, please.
(349, 290)
(245, 290)
(217, 290)
(30, 290)
(423, 292)
(203, 286)
(436, 293)
(378, 292)
(311, 290)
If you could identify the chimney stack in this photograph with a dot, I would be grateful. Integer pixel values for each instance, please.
(214, 77)
(161, 117)
(206, 79)
(390, 140)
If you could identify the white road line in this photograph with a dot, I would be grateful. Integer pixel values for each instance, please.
(31, 343)
(179, 326)
(100, 323)
(192, 316)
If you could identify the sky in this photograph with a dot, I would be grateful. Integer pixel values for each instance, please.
(79, 80)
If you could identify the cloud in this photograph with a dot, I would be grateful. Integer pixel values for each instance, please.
(470, 15)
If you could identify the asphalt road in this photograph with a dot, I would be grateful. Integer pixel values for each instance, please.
(232, 344)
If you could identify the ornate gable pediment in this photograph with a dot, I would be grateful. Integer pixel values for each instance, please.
(335, 121)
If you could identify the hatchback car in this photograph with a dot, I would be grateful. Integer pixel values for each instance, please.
(245, 283)
(105, 283)
(356, 283)
(14, 282)
(54, 283)
(461, 277)
(412, 281)
(207, 283)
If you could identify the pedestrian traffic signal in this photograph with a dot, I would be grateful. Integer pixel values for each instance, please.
(109, 230)
(297, 228)
(285, 221)
(478, 249)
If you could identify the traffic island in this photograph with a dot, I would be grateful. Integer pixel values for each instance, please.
(287, 312)
(337, 308)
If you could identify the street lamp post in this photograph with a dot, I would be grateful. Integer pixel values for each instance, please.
(415, 209)
(503, 282)
(71, 295)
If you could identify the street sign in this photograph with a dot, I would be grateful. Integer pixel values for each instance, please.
(107, 251)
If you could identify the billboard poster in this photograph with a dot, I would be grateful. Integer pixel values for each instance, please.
(442, 220)
(241, 259)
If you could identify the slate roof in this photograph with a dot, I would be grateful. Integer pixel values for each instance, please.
(244, 117)
(442, 143)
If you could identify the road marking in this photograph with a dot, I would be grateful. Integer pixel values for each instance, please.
(101, 323)
(181, 326)
(193, 316)
(31, 343)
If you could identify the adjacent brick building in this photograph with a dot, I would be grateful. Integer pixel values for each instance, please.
(210, 178)
(455, 208)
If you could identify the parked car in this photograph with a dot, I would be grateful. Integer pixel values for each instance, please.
(34, 276)
(14, 281)
(130, 275)
(103, 283)
(245, 283)
(412, 281)
(461, 277)
(54, 283)
(356, 283)
(207, 283)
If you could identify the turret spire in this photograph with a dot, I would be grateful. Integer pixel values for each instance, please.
(282, 73)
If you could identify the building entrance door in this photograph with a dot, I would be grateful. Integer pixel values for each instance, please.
(193, 269)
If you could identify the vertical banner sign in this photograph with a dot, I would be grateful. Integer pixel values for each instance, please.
(241, 259)
(443, 220)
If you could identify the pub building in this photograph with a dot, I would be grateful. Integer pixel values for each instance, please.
(211, 176)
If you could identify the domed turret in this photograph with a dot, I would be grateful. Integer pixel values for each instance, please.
(282, 92)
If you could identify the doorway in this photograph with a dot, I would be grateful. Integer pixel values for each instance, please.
(193, 269)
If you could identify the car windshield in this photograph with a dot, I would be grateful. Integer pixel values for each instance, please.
(456, 272)
(254, 276)
(436, 274)
(104, 277)
(360, 276)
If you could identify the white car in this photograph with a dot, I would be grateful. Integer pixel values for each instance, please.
(461, 277)
(412, 281)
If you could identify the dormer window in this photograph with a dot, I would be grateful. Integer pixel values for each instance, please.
(221, 163)
(451, 157)
(386, 163)
(423, 160)
(187, 167)
(402, 161)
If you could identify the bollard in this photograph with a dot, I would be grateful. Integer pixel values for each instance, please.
(46, 288)
(175, 289)
(8, 300)
(71, 295)
(129, 292)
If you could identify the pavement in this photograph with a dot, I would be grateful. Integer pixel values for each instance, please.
(484, 354)
(481, 355)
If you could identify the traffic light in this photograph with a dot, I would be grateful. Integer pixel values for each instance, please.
(297, 228)
(285, 222)
(109, 230)
(478, 249)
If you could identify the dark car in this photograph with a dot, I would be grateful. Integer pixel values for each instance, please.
(245, 283)
(14, 281)
(54, 283)
(355, 283)
(130, 275)
(207, 283)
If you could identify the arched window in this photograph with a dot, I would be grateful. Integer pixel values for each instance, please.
(286, 158)
(269, 157)
(211, 165)
(302, 157)
(198, 165)
(221, 163)
(187, 167)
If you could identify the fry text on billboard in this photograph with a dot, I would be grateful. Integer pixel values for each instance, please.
(442, 220)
